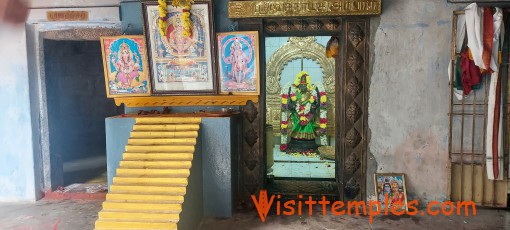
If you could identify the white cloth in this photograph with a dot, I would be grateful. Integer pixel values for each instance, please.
(474, 27)
(489, 132)
(499, 32)
(461, 34)
(497, 45)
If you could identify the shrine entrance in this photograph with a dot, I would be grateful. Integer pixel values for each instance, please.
(289, 46)
(300, 114)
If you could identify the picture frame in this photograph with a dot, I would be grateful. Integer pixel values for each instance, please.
(181, 65)
(238, 63)
(125, 66)
(388, 183)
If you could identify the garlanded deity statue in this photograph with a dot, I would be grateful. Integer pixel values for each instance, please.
(304, 115)
(127, 67)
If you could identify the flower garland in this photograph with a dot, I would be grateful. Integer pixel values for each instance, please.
(285, 116)
(162, 17)
(185, 16)
(323, 114)
(303, 111)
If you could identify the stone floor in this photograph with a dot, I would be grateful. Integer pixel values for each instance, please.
(76, 214)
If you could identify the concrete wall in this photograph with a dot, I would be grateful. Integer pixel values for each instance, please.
(70, 3)
(409, 95)
(16, 154)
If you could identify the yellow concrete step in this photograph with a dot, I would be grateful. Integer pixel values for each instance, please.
(155, 164)
(178, 182)
(159, 148)
(163, 134)
(172, 173)
(168, 120)
(163, 141)
(100, 225)
(158, 156)
(109, 206)
(149, 188)
(138, 217)
(156, 190)
(170, 128)
(138, 198)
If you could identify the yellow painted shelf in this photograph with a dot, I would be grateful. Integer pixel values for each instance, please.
(203, 100)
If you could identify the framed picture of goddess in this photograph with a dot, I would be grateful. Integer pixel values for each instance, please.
(238, 63)
(125, 66)
(180, 63)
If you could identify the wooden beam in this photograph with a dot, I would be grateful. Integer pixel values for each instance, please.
(210, 100)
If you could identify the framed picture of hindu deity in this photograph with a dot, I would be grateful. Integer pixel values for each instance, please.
(125, 66)
(390, 191)
(238, 63)
(181, 49)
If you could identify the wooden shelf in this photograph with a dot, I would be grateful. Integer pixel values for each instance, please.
(203, 100)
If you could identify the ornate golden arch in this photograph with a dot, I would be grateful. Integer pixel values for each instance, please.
(297, 48)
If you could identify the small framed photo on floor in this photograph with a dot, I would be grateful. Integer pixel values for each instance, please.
(238, 63)
(125, 66)
(390, 191)
(180, 63)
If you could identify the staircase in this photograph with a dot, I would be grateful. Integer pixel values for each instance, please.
(150, 185)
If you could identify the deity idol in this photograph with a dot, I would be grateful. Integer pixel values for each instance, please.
(303, 115)
(127, 68)
(239, 61)
(178, 42)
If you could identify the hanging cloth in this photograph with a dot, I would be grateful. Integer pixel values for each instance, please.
(471, 74)
(480, 33)
(474, 28)
(488, 39)
(494, 140)
(456, 80)
(494, 132)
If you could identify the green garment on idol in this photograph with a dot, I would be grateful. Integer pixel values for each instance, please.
(299, 131)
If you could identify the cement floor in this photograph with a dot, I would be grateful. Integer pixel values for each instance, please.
(77, 214)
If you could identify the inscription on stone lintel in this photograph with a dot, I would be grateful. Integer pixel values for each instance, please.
(296, 8)
(67, 15)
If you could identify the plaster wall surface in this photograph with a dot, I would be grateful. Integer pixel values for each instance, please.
(409, 95)
(70, 3)
(16, 153)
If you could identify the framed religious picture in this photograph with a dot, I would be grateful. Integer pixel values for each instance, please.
(390, 190)
(238, 63)
(180, 47)
(125, 66)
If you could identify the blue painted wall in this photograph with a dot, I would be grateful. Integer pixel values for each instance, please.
(74, 76)
(16, 154)
(118, 131)
(132, 19)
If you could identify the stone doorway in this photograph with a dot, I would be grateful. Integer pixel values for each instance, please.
(350, 111)
(65, 70)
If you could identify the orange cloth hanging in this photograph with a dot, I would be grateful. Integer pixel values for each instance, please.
(488, 36)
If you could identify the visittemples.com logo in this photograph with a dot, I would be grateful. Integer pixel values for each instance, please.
(264, 203)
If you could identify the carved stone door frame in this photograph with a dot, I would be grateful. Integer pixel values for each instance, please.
(351, 109)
